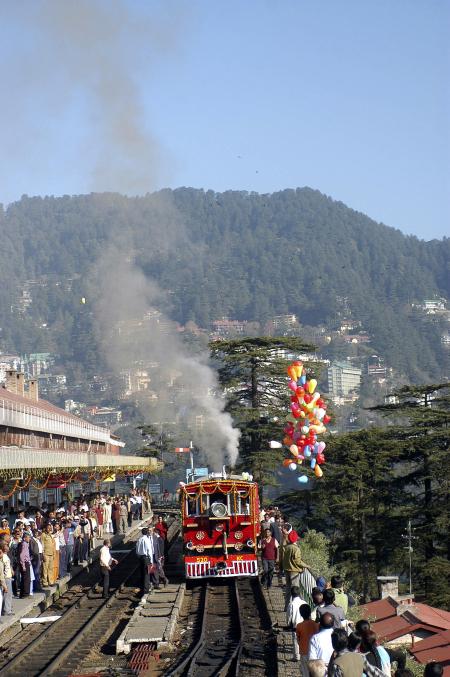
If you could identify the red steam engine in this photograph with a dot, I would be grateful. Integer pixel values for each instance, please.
(220, 518)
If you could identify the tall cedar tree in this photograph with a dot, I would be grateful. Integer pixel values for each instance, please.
(252, 372)
(354, 503)
(423, 438)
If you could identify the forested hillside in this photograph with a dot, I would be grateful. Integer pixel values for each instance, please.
(235, 254)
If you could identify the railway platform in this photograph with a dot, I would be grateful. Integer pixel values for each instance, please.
(154, 620)
(34, 605)
(274, 597)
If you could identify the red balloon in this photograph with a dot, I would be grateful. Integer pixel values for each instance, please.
(319, 402)
(326, 418)
(307, 397)
(320, 458)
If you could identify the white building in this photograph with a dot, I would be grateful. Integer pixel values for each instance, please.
(343, 379)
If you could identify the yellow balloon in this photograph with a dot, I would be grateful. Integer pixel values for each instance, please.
(312, 383)
(293, 449)
(318, 471)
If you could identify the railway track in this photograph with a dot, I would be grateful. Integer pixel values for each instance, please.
(60, 647)
(228, 632)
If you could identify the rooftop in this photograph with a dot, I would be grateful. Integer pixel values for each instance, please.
(19, 411)
(395, 618)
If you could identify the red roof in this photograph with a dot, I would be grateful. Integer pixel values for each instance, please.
(382, 608)
(430, 615)
(390, 625)
(436, 648)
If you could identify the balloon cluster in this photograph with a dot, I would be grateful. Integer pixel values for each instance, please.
(303, 425)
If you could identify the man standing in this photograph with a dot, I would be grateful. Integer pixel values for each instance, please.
(146, 554)
(162, 529)
(106, 562)
(341, 598)
(25, 565)
(123, 518)
(14, 557)
(47, 556)
(8, 572)
(331, 608)
(320, 645)
(292, 565)
(36, 551)
(269, 546)
(304, 631)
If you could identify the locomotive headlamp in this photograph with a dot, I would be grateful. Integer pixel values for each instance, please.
(219, 527)
(189, 545)
(238, 535)
(250, 543)
(200, 535)
(219, 509)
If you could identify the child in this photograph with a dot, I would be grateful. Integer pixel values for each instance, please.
(304, 631)
(293, 616)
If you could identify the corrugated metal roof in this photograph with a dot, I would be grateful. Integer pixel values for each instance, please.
(382, 608)
(39, 404)
(389, 626)
(430, 615)
(18, 411)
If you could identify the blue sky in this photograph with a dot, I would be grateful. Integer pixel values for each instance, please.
(350, 97)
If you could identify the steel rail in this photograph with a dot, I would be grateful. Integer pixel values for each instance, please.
(226, 662)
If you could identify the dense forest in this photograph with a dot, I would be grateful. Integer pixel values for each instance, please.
(236, 254)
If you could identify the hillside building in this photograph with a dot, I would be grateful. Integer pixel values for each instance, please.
(343, 379)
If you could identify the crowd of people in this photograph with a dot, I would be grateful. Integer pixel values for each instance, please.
(39, 546)
(325, 642)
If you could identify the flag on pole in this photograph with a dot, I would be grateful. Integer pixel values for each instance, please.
(182, 450)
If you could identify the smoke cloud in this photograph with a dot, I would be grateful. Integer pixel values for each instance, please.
(135, 333)
(88, 63)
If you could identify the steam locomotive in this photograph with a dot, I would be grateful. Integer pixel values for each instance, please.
(220, 518)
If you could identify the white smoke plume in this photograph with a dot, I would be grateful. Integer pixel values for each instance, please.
(90, 60)
(135, 332)
(85, 65)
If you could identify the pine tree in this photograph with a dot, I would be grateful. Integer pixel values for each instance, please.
(423, 438)
(354, 504)
(252, 372)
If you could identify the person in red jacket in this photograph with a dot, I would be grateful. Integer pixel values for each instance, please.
(269, 552)
(162, 528)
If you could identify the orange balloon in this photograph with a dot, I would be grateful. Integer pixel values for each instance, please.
(286, 462)
(288, 441)
(318, 472)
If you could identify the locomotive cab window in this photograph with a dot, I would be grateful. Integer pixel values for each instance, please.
(243, 503)
(192, 505)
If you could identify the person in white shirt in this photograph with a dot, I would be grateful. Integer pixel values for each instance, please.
(139, 506)
(8, 572)
(106, 562)
(320, 645)
(146, 554)
(294, 617)
(107, 517)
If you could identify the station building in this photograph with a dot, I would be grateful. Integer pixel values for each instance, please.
(47, 452)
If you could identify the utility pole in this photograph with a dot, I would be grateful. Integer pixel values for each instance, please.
(409, 537)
